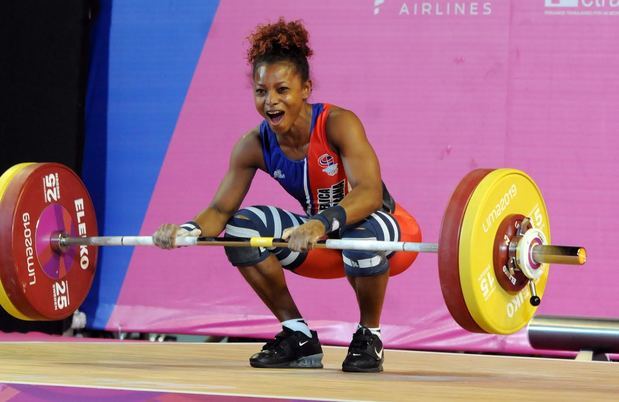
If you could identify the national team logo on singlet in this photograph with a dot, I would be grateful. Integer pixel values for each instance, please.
(328, 164)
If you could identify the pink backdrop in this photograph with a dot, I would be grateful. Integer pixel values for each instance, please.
(504, 84)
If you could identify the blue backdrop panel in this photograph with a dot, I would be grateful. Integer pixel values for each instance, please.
(143, 57)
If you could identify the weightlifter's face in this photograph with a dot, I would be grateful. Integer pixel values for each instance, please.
(280, 94)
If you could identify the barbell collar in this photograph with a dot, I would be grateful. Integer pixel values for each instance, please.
(534, 299)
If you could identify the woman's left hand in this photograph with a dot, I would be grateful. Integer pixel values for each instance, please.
(304, 237)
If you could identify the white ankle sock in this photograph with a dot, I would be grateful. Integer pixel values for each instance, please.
(375, 331)
(297, 324)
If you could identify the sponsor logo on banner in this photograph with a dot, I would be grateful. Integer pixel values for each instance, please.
(422, 8)
(582, 7)
(377, 4)
(561, 3)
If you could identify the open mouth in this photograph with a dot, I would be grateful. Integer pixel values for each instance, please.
(275, 116)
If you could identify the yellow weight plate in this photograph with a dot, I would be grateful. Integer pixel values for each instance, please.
(5, 179)
(501, 193)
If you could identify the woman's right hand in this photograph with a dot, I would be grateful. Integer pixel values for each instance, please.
(165, 236)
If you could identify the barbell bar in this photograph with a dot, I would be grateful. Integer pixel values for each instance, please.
(543, 254)
(494, 247)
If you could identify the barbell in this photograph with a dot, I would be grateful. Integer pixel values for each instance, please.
(494, 246)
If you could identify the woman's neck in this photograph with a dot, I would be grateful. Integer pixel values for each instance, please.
(299, 133)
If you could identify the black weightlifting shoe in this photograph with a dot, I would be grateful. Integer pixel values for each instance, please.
(365, 353)
(289, 349)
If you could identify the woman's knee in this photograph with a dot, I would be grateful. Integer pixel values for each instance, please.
(363, 262)
(244, 224)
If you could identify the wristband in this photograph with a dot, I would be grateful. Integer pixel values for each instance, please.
(190, 226)
(332, 218)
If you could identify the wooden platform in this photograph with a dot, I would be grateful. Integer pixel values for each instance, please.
(222, 369)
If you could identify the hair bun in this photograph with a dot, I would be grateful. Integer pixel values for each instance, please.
(279, 39)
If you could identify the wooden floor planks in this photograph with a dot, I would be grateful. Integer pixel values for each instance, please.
(222, 368)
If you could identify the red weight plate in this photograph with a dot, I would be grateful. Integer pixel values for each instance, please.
(448, 249)
(40, 201)
(507, 230)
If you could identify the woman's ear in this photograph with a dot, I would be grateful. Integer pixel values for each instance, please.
(307, 89)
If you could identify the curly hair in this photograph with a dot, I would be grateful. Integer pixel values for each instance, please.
(280, 41)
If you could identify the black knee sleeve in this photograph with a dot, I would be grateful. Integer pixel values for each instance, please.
(243, 225)
(362, 262)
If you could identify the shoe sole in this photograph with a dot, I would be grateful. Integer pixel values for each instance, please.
(313, 361)
(362, 370)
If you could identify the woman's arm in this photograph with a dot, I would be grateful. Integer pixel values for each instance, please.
(346, 135)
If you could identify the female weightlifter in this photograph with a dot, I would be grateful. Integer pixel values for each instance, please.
(321, 156)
